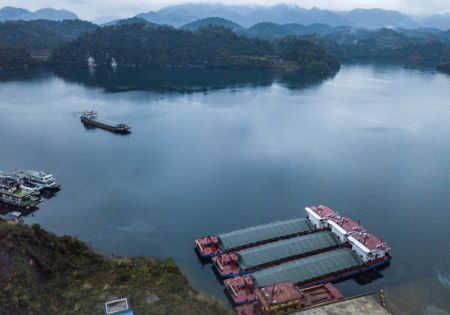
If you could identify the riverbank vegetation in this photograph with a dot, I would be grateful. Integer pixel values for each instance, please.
(41, 273)
(217, 43)
(151, 45)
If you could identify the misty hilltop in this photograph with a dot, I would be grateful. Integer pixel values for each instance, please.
(247, 16)
(12, 14)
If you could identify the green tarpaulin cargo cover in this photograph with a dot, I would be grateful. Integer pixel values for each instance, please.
(266, 232)
(309, 268)
(272, 252)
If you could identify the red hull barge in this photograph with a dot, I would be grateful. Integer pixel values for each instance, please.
(246, 261)
(285, 297)
(211, 246)
(242, 288)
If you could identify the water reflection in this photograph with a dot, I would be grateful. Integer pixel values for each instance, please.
(180, 80)
(234, 150)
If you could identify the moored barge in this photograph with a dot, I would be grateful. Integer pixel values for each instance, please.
(249, 260)
(210, 246)
(91, 118)
(329, 266)
(367, 252)
(285, 297)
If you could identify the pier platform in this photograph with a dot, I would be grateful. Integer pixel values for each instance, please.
(367, 304)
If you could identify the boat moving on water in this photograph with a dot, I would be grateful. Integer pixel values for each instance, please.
(90, 118)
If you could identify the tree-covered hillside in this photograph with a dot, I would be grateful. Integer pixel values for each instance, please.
(41, 273)
(41, 34)
(387, 45)
(193, 26)
(11, 58)
(150, 45)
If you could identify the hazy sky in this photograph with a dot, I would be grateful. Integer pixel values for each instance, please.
(91, 9)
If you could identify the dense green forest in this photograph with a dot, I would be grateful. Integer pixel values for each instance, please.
(217, 43)
(11, 58)
(41, 273)
(387, 45)
(150, 45)
(37, 35)
(443, 67)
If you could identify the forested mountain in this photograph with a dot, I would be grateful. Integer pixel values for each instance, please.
(41, 34)
(386, 45)
(193, 26)
(11, 58)
(11, 13)
(150, 45)
(378, 18)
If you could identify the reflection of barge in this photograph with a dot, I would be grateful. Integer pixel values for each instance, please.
(255, 258)
(367, 252)
(285, 297)
(217, 244)
(90, 118)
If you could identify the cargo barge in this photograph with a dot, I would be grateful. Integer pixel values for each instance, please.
(90, 118)
(366, 252)
(331, 266)
(211, 246)
(285, 297)
(249, 260)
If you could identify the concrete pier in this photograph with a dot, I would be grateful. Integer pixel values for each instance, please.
(367, 304)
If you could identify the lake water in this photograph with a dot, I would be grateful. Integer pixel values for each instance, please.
(213, 151)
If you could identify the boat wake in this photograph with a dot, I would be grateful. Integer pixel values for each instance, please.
(443, 278)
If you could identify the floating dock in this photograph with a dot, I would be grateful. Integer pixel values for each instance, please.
(91, 118)
(217, 244)
(263, 256)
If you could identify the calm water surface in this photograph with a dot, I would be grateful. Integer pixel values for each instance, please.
(215, 151)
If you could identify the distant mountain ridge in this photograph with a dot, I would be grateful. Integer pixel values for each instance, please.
(246, 16)
(12, 14)
(249, 15)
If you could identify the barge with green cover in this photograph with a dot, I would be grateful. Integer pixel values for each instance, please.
(210, 246)
(362, 252)
(91, 118)
(249, 260)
